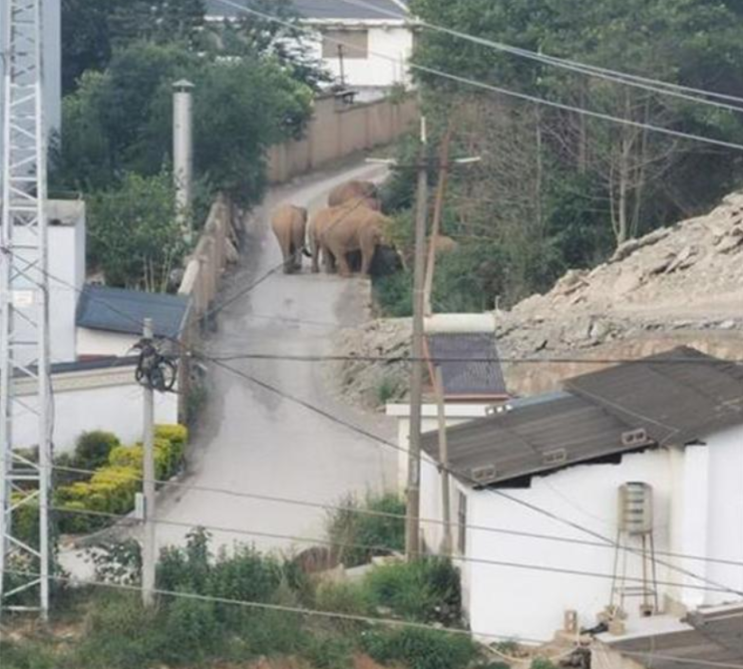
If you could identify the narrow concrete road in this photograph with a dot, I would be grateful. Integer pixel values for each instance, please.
(256, 441)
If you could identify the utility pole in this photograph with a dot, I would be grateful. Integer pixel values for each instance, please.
(183, 155)
(148, 542)
(412, 529)
(438, 383)
(24, 307)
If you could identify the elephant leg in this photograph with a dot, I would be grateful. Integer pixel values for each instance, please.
(315, 257)
(367, 256)
(344, 269)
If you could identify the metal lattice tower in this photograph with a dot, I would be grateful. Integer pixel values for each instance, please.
(24, 339)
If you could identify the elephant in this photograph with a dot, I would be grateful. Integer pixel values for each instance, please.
(326, 218)
(289, 224)
(351, 190)
(361, 229)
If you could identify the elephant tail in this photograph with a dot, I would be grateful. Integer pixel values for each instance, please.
(306, 252)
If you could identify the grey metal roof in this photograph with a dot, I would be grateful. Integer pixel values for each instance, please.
(320, 9)
(669, 398)
(714, 635)
(537, 438)
(675, 396)
(120, 310)
(469, 364)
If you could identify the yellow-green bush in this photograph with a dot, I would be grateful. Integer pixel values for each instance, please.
(112, 488)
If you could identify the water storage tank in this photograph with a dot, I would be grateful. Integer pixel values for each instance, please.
(636, 508)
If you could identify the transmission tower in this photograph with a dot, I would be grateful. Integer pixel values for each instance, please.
(24, 336)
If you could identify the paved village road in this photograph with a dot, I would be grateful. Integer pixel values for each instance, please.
(256, 441)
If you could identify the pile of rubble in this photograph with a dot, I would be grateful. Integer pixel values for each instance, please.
(677, 285)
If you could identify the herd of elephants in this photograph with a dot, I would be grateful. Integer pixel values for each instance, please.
(350, 225)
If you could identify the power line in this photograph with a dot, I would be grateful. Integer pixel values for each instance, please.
(432, 462)
(381, 547)
(505, 91)
(654, 85)
(392, 516)
(287, 357)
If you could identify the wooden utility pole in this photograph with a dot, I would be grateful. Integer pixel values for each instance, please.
(437, 214)
(148, 540)
(412, 529)
(446, 544)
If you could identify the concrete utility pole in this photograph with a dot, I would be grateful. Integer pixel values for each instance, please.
(148, 541)
(412, 530)
(24, 307)
(183, 154)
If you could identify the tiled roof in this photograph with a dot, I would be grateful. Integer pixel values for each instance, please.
(671, 398)
(321, 9)
(120, 310)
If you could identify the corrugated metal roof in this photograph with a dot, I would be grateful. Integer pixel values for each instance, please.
(469, 364)
(321, 9)
(120, 310)
(675, 396)
(536, 438)
(711, 636)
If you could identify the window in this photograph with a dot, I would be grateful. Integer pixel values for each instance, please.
(346, 43)
(462, 524)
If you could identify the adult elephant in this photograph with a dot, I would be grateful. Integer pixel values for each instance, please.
(327, 218)
(353, 190)
(361, 229)
(289, 224)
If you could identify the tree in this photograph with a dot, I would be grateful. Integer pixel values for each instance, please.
(133, 234)
(92, 30)
(645, 177)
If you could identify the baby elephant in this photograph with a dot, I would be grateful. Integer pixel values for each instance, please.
(289, 224)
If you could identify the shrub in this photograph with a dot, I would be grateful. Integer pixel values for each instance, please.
(192, 632)
(425, 590)
(26, 656)
(329, 652)
(111, 490)
(382, 533)
(93, 448)
(177, 435)
(420, 649)
(343, 597)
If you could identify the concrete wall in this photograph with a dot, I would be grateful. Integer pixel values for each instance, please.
(104, 399)
(337, 131)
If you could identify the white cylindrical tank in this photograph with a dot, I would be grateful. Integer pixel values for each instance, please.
(636, 508)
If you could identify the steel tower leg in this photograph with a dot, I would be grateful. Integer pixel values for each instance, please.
(25, 476)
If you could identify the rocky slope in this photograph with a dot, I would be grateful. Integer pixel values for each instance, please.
(678, 285)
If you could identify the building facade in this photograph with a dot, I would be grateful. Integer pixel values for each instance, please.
(364, 46)
(536, 500)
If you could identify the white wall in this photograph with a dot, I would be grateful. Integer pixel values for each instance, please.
(455, 415)
(102, 343)
(393, 43)
(66, 269)
(725, 516)
(526, 603)
(107, 399)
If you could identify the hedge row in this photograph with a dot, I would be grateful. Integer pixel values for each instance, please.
(112, 488)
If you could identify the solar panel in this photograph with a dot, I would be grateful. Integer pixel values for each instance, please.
(469, 364)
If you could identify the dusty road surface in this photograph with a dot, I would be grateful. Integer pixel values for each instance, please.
(257, 441)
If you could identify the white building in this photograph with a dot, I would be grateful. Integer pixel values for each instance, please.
(365, 46)
(93, 395)
(536, 498)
